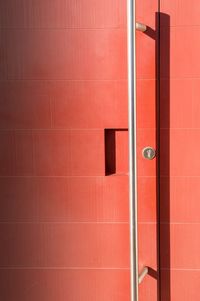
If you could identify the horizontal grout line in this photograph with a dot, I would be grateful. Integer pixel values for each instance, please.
(138, 176)
(64, 80)
(179, 223)
(177, 177)
(63, 222)
(179, 269)
(75, 222)
(64, 28)
(177, 128)
(72, 176)
(146, 79)
(95, 129)
(72, 222)
(59, 129)
(146, 128)
(179, 78)
(63, 268)
(72, 129)
(95, 80)
(147, 223)
(179, 25)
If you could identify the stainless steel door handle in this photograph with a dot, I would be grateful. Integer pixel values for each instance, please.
(131, 28)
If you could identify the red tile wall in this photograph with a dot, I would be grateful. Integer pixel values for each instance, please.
(146, 136)
(64, 225)
(76, 284)
(63, 81)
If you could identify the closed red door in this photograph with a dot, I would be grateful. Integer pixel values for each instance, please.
(64, 209)
(180, 136)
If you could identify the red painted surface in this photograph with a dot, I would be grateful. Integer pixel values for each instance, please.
(64, 222)
(180, 134)
(146, 55)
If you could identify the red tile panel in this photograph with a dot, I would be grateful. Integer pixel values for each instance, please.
(69, 153)
(18, 197)
(147, 207)
(64, 199)
(7, 156)
(65, 245)
(104, 103)
(147, 233)
(184, 283)
(146, 105)
(25, 14)
(60, 104)
(183, 206)
(180, 111)
(180, 155)
(52, 54)
(59, 14)
(145, 48)
(92, 13)
(146, 137)
(182, 64)
(176, 111)
(24, 153)
(182, 13)
(52, 153)
(61, 284)
(184, 246)
(24, 105)
(148, 289)
(146, 12)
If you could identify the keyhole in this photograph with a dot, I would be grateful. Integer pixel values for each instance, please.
(149, 153)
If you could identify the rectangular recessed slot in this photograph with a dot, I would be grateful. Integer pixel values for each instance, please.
(116, 151)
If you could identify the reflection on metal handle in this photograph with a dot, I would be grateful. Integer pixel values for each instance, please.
(140, 27)
(131, 27)
(142, 274)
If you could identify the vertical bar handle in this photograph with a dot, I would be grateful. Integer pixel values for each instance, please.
(132, 26)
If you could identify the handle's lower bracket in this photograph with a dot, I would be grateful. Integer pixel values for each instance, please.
(141, 27)
(142, 274)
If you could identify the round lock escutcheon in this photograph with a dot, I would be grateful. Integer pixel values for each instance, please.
(149, 153)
